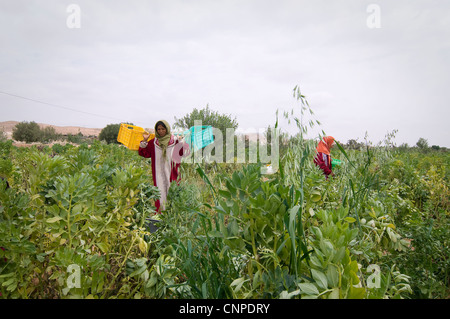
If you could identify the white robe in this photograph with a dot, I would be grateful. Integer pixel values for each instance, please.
(163, 170)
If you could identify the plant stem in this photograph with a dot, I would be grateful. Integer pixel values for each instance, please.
(255, 252)
(68, 222)
(120, 268)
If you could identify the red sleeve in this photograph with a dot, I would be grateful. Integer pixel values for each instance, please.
(179, 152)
(321, 163)
(184, 149)
(146, 151)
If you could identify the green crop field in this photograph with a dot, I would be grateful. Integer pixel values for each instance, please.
(73, 224)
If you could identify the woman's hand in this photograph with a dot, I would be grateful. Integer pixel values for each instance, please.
(145, 136)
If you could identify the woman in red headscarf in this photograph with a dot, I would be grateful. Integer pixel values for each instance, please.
(165, 151)
(323, 157)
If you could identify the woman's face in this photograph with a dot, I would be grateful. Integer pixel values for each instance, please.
(161, 130)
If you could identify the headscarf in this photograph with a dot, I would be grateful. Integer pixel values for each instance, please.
(325, 144)
(163, 141)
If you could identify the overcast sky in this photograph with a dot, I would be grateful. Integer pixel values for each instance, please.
(364, 66)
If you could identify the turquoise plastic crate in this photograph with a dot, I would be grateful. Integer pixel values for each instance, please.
(199, 136)
(335, 162)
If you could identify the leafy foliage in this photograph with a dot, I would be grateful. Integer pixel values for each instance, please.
(422, 143)
(109, 133)
(30, 132)
(75, 208)
(75, 224)
(207, 117)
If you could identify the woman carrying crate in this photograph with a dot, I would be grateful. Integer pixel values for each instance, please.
(165, 151)
(323, 157)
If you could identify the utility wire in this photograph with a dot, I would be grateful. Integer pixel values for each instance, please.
(60, 106)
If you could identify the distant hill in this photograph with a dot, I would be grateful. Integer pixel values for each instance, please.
(8, 126)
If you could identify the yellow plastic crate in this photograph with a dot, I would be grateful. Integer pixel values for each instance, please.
(131, 136)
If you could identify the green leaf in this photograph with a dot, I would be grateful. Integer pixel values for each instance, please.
(215, 233)
(308, 288)
(350, 219)
(11, 274)
(310, 297)
(65, 291)
(334, 294)
(291, 229)
(356, 293)
(153, 280)
(238, 283)
(320, 278)
(54, 209)
(53, 219)
(315, 197)
(143, 247)
(12, 287)
(285, 295)
(77, 208)
(343, 152)
(206, 179)
(139, 271)
(233, 228)
(332, 276)
(225, 194)
(256, 279)
(339, 255)
(9, 282)
(104, 247)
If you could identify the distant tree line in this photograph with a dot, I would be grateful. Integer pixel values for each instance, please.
(31, 132)
(109, 133)
(421, 145)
